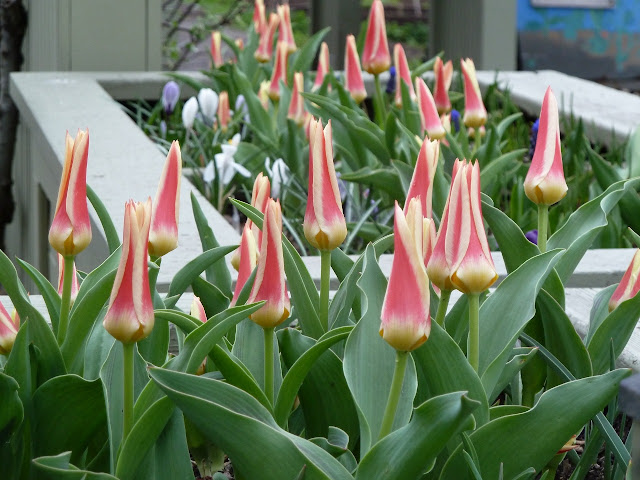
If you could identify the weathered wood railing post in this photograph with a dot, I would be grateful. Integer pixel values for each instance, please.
(343, 16)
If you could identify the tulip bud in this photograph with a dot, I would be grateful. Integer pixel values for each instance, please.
(9, 326)
(269, 284)
(403, 74)
(375, 57)
(74, 279)
(475, 114)
(224, 114)
(429, 117)
(170, 96)
(353, 82)
(189, 111)
(263, 94)
(265, 47)
(422, 180)
(259, 20)
(296, 112)
(324, 224)
(461, 258)
(405, 316)
(285, 32)
(70, 231)
(629, 285)
(247, 260)
(163, 236)
(216, 49)
(197, 311)
(323, 66)
(545, 183)
(129, 317)
(279, 71)
(444, 74)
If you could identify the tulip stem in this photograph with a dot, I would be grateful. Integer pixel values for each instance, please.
(268, 363)
(543, 227)
(473, 347)
(66, 298)
(378, 101)
(325, 279)
(394, 394)
(127, 353)
(445, 295)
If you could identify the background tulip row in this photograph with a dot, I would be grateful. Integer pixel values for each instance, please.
(386, 379)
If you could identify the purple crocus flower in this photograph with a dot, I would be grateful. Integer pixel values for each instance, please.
(170, 96)
(455, 120)
(391, 84)
(532, 236)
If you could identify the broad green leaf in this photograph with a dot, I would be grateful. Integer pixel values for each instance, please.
(213, 299)
(518, 362)
(48, 292)
(369, 361)
(305, 55)
(260, 119)
(12, 411)
(599, 310)
(238, 375)
(228, 416)
(616, 328)
(183, 321)
(504, 410)
(57, 467)
(632, 153)
(407, 452)
(584, 225)
(442, 368)
(551, 422)
(304, 294)
(298, 371)
(496, 168)
(110, 231)
(505, 312)
(187, 274)
(383, 178)
(57, 406)
(96, 276)
(218, 273)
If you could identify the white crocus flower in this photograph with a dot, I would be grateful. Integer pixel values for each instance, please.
(279, 174)
(208, 100)
(189, 111)
(225, 164)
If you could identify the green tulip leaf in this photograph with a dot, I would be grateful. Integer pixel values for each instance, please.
(187, 274)
(57, 467)
(505, 313)
(96, 277)
(496, 168)
(316, 376)
(442, 368)
(552, 421)
(599, 310)
(407, 452)
(505, 410)
(382, 178)
(12, 411)
(519, 360)
(217, 409)
(369, 361)
(186, 323)
(110, 231)
(48, 292)
(305, 55)
(213, 299)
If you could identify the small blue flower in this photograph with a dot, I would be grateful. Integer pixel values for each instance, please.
(533, 138)
(170, 96)
(391, 84)
(532, 236)
(455, 120)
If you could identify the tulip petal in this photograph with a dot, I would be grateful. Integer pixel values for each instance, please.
(475, 115)
(429, 117)
(422, 180)
(402, 74)
(629, 286)
(353, 81)
(375, 56)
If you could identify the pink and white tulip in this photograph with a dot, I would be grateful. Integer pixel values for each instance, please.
(475, 115)
(129, 317)
(163, 235)
(375, 56)
(629, 285)
(405, 321)
(224, 113)
(9, 326)
(545, 183)
(403, 74)
(353, 81)
(285, 32)
(443, 74)
(323, 66)
(297, 112)
(429, 117)
(269, 284)
(216, 49)
(324, 224)
(70, 231)
(247, 260)
(461, 258)
(259, 18)
(279, 73)
(422, 180)
(265, 46)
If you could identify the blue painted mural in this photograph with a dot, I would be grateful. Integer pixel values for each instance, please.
(592, 43)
